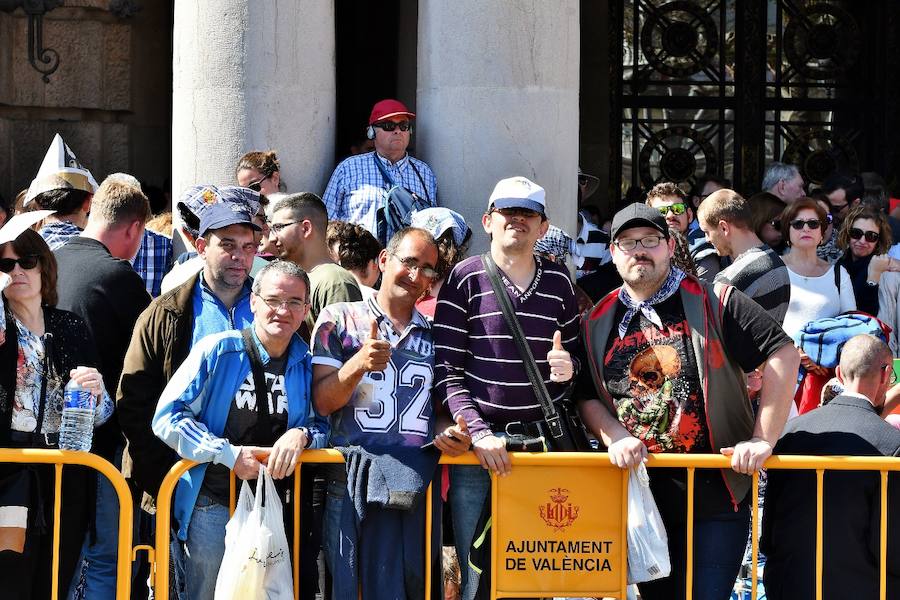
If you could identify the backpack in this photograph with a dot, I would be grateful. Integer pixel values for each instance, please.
(399, 204)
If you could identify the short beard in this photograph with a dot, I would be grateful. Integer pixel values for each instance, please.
(648, 280)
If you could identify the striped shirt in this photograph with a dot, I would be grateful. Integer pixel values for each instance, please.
(761, 274)
(478, 368)
(357, 187)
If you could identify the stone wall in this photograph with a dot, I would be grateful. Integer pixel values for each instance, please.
(110, 98)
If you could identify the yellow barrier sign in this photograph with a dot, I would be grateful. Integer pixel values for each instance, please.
(560, 531)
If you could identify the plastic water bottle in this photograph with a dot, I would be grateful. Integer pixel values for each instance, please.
(77, 429)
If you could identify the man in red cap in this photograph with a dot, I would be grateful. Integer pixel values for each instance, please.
(360, 184)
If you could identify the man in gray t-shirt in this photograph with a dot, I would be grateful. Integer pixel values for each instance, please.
(756, 269)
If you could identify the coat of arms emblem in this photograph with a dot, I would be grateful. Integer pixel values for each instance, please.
(558, 513)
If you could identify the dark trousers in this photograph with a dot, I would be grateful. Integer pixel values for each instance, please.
(719, 542)
(27, 576)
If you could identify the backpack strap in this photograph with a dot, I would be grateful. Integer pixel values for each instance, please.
(837, 277)
(262, 431)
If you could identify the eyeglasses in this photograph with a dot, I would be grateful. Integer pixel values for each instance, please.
(651, 241)
(677, 209)
(26, 262)
(871, 236)
(392, 125)
(256, 186)
(277, 228)
(413, 266)
(811, 223)
(509, 213)
(278, 303)
(890, 368)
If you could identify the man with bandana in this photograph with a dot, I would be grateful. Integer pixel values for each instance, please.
(667, 354)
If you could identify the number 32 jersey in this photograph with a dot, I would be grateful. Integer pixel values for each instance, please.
(388, 408)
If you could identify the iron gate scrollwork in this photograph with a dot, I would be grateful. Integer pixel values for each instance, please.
(726, 86)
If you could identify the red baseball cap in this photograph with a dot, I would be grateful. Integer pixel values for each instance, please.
(385, 109)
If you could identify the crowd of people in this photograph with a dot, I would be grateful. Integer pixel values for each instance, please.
(295, 321)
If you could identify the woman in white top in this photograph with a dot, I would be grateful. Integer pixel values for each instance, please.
(815, 293)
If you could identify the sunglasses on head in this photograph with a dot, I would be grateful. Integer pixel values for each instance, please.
(871, 236)
(677, 209)
(392, 125)
(811, 223)
(26, 262)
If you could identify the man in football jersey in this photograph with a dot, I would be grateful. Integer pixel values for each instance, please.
(373, 368)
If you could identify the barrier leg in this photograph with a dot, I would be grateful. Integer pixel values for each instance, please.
(820, 473)
(689, 562)
(57, 507)
(882, 572)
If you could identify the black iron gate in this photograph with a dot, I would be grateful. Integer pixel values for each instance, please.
(726, 86)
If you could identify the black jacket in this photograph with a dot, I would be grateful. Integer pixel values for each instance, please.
(109, 295)
(847, 426)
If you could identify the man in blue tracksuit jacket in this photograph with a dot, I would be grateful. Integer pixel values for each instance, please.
(208, 413)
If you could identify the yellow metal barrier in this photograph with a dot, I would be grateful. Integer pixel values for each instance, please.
(819, 464)
(104, 467)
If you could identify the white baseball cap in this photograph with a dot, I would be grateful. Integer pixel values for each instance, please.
(517, 192)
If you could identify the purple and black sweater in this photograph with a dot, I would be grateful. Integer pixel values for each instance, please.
(478, 369)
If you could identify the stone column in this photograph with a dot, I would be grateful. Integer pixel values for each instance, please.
(253, 75)
(497, 97)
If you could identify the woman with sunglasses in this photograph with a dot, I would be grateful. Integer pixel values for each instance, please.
(815, 293)
(42, 349)
(865, 238)
(261, 172)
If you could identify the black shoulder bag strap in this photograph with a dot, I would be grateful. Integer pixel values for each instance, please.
(262, 432)
(422, 181)
(551, 416)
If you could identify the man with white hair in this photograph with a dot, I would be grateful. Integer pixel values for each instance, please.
(784, 181)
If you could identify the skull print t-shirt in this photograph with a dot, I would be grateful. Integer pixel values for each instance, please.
(651, 374)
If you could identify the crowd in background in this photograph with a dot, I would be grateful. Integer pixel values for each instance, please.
(356, 320)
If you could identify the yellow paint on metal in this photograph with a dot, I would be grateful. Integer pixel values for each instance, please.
(105, 468)
(159, 556)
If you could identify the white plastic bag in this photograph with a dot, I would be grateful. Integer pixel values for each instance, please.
(257, 560)
(648, 545)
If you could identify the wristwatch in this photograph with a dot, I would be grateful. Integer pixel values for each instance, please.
(309, 439)
(871, 283)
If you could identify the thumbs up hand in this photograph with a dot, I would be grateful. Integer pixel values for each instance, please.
(375, 353)
(561, 368)
(454, 440)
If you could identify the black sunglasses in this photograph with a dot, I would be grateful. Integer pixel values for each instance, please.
(256, 186)
(811, 223)
(871, 236)
(26, 262)
(392, 125)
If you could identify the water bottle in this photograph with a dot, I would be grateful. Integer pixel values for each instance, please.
(77, 429)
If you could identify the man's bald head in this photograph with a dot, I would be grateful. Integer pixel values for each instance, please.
(864, 356)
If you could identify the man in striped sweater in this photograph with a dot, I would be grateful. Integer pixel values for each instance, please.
(756, 269)
(477, 365)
